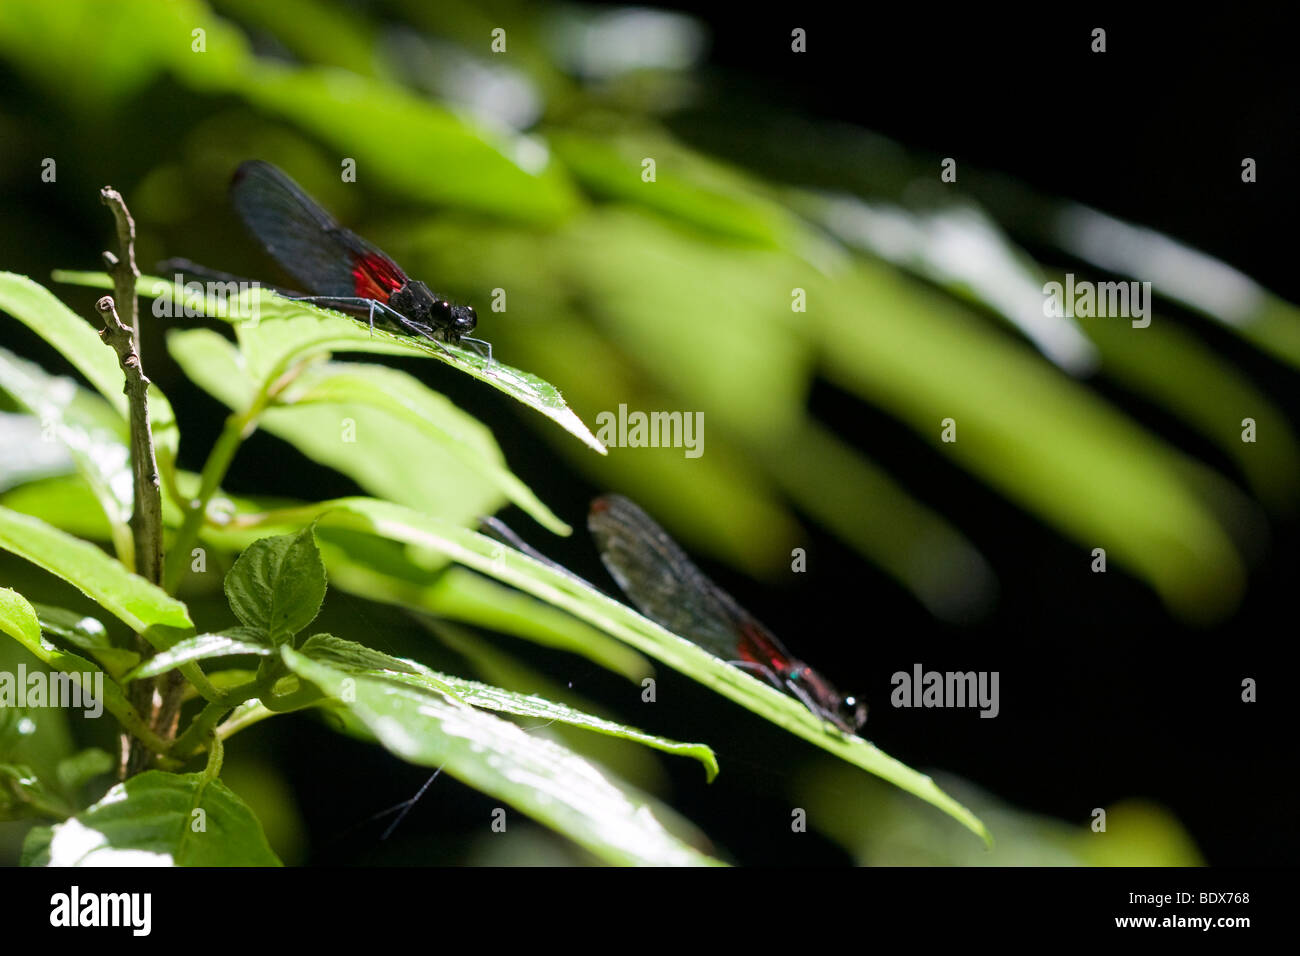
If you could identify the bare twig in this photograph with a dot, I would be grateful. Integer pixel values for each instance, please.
(123, 336)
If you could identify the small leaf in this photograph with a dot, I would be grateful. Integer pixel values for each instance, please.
(22, 794)
(234, 640)
(86, 633)
(153, 820)
(277, 585)
(351, 656)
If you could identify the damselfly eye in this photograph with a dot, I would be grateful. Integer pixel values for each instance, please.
(440, 312)
(464, 318)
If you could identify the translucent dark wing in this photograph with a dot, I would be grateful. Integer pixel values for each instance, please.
(306, 240)
(668, 588)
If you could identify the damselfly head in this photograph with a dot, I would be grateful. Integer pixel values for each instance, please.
(455, 319)
(463, 319)
(850, 715)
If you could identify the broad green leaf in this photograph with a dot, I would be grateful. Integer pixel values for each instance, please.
(359, 659)
(64, 501)
(460, 595)
(28, 458)
(288, 331)
(562, 590)
(405, 398)
(232, 641)
(1173, 367)
(381, 427)
(153, 819)
(277, 585)
(19, 621)
(131, 598)
(78, 341)
(94, 433)
(536, 776)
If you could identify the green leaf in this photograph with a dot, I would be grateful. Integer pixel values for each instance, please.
(1104, 479)
(688, 188)
(88, 426)
(129, 597)
(277, 585)
(540, 778)
(23, 794)
(353, 657)
(476, 168)
(564, 591)
(288, 331)
(64, 501)
(234, 640)
(402, 442)
(78, 342)
(27, 457)
(35, 737)
(405, 398)
(86, 633)
(82, 767)
(460, 595)
(153, 820)
(359, 659)
(18, 620)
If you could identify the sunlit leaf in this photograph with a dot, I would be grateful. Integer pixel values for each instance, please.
(156, 819)
(131, 598)
(539, 777)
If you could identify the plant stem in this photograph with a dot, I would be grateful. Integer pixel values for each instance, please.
(201, 727)
(122, 332)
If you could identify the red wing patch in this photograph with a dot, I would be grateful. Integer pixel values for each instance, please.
(376, 277)
(757, 649)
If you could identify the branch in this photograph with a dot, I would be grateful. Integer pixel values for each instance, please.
(146, 514)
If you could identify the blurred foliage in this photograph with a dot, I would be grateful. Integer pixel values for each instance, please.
(676, 293)
(879, 828)
(670, 294)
